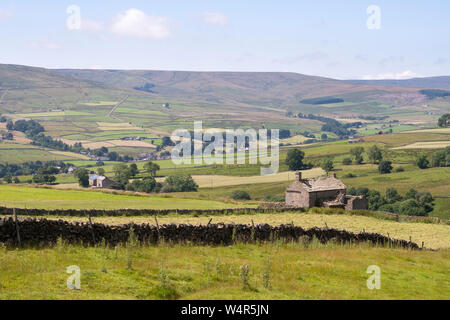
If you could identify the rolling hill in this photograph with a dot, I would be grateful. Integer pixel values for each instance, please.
(428, 83)
(275, 89)
(161, 101)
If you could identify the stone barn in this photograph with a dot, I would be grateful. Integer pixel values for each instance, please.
(328, 192)
(100, 182)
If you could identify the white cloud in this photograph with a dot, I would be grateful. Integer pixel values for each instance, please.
(408, 74)
(136, 23)
(215, 18)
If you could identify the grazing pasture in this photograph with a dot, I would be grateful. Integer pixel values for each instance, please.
(45, 198)
(276, 271)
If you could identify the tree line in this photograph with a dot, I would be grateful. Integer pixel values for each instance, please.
(125, 178)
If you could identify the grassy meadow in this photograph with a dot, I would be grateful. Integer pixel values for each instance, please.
(276, 271)
(45, 198)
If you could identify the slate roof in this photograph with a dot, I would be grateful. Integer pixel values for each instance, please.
(317, 184)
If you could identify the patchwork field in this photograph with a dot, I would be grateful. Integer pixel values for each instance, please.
(426, 145)
(19, 153)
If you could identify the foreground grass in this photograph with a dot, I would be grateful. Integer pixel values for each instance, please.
(277, 271)
(42, 198)
(434, 236)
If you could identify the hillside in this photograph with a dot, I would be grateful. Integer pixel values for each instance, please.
(16, 77)
(158, 102)
(429, 82)
(275, 89)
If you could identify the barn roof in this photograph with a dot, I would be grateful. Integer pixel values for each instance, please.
(317, 184)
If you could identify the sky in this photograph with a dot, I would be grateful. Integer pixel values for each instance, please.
(346, 39)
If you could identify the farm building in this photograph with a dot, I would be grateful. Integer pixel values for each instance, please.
(328, 192)
(355, 140)
(100, 181)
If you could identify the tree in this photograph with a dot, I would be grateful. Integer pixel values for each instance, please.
(385, 167)
(392, 195)
(422, 161)
(411, 194)
(240, 195)
(83, 177)
(122, 173)
(146, 185)
(43, 178)
(357, 152)
(374, 154)
(101, 171)
(411, 207)
(10, 125)
(347, 161)
(444, 121)
(294, 159)
(134, 169)
(151, 168)
(441, 158)
(179, 183)
(327, 165)
(324, 136)
(166, 141)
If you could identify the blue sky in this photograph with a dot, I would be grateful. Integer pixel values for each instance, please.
(324, 38)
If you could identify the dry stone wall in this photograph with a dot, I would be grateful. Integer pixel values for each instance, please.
(43, 232)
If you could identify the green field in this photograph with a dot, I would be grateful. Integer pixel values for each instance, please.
(276, 271)
(19, 153)
(42, 198)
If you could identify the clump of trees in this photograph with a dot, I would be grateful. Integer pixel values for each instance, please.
(32, 168)
(30, 127)
(294, 159)
(330, 125)
(327, 164)
(385, 167)
(413, 203)
(444, 121)
(179, 183)
(422, 161)
(439, 158)
(357, 154)
(435, 93)
(147, 185)
(240, 195)
(82, 175)
(374, 154)
(151, 168)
